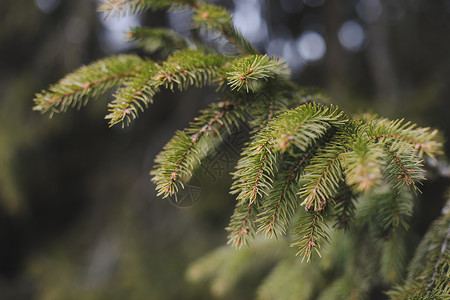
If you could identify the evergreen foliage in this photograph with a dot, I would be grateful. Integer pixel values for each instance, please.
(129, 7)
(181, 70)
(429, 270)
(248, 71)
(75, 89)
(308, 167)
(157, 39)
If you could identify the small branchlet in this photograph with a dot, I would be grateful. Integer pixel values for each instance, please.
(75, 89)
(152, 40)
(250, 72)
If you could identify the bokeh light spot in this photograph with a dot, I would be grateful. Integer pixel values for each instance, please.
(115, 36)
(352, 36)
(247, 19)
(47, 6)
(292, 57)
(311, 46)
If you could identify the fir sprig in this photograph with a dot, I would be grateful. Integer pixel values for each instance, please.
(403, 167)
(242, 224)
(184, 153)
(424, 140)
(312, 232)
(386, 211)
(206, 16)
(134, 96)
(189, 68)
(213, 17)
(277, 99)
(251, 71)
(395, 252)
(324, 175)
(256, 169)
(157, 39)
(428, 272)
(280, 205)
(76, 88)
(181, 70)
(130, 7)
(302, 126)
(343, 206)
(352, 161)
(363, 164)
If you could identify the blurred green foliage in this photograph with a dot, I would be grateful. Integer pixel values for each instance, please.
(79, 218)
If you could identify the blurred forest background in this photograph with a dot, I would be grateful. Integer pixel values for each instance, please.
(79, 217)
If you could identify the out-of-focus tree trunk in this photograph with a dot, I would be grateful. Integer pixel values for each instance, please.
(380, 61)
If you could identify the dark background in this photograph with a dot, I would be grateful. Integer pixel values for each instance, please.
(79, 218)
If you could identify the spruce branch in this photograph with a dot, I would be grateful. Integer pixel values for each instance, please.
(363, 164)
(184, 153)
(251, 71)
(75, 89)
(213, 17)
(255, 170)
(280, 204)
(276, 100)
(324, 175)
(242, 223)
(155, 39)
(423, 140)
(428, 271)
(264, 111)
(312, 230)
(277, 97)
(344, 206)
(378, 138)
(206, 16)
(403, 168)
(386, 211)
(182, 69)
(416, 291)
(303, 126)
(176, 161)
(394, 255)
(134, 96)
(187, 68)
(433, 250)
(120, 8)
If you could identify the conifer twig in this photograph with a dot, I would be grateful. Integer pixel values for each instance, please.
(88, 81)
